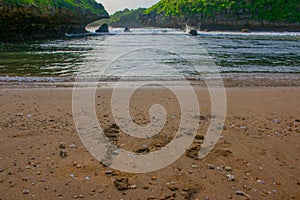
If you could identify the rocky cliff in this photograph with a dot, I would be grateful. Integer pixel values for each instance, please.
(30, 19)
(259, 15)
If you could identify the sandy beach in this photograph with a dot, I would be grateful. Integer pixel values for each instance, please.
(257, 157)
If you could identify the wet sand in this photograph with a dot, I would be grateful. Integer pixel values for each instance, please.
(257, 157)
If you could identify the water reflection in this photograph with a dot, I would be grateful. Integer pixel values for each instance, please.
(232, 52)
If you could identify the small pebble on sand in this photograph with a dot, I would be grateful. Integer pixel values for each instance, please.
(228, 169)
(220, 168)
(108, 172)
(230, 177)
(241, 193)
(133, 186)
(72, 176)
(25, 191)
(210, 166)
(261, 181)
(62, 145)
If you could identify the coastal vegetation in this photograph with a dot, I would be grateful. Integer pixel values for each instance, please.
(270, 10)
(125, 18)
(29, 19)
(126, 15)
(273, 15)
(48, 5)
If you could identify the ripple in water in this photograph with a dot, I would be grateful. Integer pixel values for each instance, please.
(232, 52)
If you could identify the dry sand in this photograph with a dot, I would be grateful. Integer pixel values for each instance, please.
(260, 147)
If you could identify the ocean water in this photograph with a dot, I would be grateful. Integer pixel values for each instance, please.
(145, 53)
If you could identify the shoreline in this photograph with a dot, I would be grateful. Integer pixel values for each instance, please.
(229, 80)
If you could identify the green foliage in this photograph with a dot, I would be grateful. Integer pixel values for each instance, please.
(123, 18)
(270, 10)
(43, 5)
(126, 14)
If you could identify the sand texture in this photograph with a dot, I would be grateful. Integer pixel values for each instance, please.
(257, 157)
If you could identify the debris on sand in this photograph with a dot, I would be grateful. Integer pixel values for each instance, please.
(189, 192)
(121, 183)
(230, 177)
(193, 151)
(241, 193)
(210, 166)
(142, 150)
(228, 169)
(62, 145)
(112, 132)
(199, 137)
(63, 153)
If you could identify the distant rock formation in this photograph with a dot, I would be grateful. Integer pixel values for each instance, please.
(32, 20)
(127, 18)
(102, 29)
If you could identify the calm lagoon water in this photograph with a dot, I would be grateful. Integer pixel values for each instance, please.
(232, 53)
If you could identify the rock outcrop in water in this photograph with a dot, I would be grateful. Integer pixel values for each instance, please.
(24, 19)
(259, 15)
(102, 29)
(193, 32)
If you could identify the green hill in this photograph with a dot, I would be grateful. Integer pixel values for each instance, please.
(28, 19)
(243, 13)
(124, 18)
(129, 18)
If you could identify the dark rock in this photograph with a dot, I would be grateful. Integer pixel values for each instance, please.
(102, 29)
(193, 32)
(126, 29)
